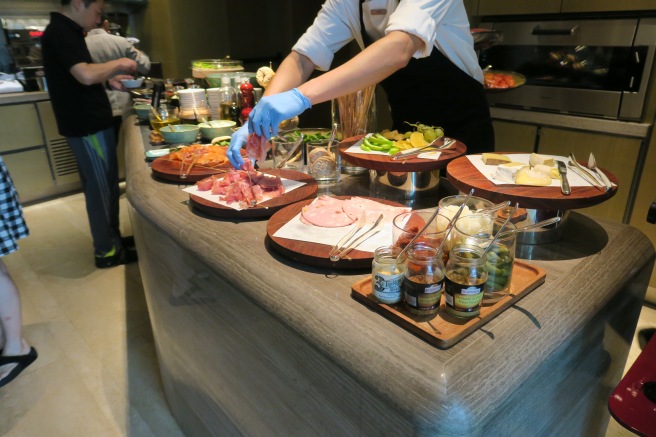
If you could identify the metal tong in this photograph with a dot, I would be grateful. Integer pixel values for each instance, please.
(585, 173)
(291, 152)
(336, 255)
(446, 142)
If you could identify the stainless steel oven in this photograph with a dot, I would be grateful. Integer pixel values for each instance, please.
(591, 67)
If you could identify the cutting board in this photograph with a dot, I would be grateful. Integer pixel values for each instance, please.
(465, 176)
(169, 170)
(266, 208)
(385, 162)
(442, 329)
(315, 254)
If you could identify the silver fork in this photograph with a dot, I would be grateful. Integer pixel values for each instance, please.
(362, 220)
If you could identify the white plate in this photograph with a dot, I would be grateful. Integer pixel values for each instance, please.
(156, 153)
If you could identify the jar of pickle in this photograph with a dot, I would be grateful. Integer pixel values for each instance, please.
(387, 274)
(424, 279)
(465, 281)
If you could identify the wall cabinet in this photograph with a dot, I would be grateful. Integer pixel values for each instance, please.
(526, 7)
(619, 155)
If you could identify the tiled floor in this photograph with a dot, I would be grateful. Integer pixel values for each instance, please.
(97, 370)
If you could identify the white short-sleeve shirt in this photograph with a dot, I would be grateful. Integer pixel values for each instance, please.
(438, 23)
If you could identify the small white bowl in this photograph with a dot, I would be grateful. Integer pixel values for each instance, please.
(216, 128)
(132, 83)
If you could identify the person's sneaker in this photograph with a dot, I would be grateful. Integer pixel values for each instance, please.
(125, 256)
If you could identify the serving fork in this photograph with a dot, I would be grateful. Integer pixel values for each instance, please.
(373, 230)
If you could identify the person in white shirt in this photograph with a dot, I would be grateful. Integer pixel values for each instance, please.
(420, 51)
(105, 47)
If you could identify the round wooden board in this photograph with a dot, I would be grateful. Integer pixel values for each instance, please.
(169, 170)
(385, 163)
(315, 254)
(266, 208)
(465, 176)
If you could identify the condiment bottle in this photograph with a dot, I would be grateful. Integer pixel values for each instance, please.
(247, 99)
(465, 281)
(423, 281)
(228, 98)
(387, 274)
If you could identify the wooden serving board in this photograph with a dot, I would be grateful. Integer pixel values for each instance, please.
(444, 330)
(315, 254)
(385, 162)
(268, 207)
(465, 176)
(169, 170)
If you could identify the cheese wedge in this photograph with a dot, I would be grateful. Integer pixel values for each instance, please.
(536, 159)
(552, 172)
(507, 172)
(495, 159)
(528, 176)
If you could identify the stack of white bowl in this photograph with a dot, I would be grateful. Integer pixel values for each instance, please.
(190, 99)
(214, 102)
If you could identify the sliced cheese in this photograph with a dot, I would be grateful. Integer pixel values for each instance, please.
(552, 172)
(495, 159)
(507, 172)
(536, 159)
(528, 176)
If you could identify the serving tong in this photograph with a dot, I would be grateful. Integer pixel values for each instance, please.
(291, 151)
(340, 249)
(446, 142)
(586, 174)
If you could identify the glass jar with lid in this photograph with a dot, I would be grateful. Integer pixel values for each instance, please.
(424, 279)
(465, 280)
(387, 274)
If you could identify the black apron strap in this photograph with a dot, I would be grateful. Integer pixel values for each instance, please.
(434, 91)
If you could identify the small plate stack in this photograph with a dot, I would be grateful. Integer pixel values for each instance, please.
(190, 99)
(214, 102)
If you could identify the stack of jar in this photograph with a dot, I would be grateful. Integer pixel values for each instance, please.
(462, 271)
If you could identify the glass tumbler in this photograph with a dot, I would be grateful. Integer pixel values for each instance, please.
(354, 114)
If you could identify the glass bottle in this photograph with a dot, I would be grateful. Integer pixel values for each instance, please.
(465, 280)
(387, 275)
(424, 279)
(228, 98)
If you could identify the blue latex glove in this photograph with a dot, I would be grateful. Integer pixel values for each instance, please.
(237, 141)
(271, 110)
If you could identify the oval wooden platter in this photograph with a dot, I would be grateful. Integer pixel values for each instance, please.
(169, 170)
(315, 254)
(385, 163)
(465, 176)
(266, 208)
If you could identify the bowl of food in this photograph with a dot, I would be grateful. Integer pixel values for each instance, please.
(216, 128)
(132, 83)
(180, 133)
(143, 111)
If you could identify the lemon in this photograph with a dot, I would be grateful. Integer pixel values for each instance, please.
(417, 139)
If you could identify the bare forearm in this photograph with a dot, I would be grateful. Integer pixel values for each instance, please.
(90, 74)
(369, 67)
(293, 71)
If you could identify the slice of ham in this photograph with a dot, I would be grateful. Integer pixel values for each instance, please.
(354, 206)
(326, 212)
(256, 147)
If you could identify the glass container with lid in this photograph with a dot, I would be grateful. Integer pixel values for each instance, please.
(202, 67)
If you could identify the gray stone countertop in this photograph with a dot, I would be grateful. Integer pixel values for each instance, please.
(586, 269)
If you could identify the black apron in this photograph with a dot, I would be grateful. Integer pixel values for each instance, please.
(434, 91)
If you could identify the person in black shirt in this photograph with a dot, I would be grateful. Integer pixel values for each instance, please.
(84, 116)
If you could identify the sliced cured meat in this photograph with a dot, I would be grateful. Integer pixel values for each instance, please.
(235, 187)
(256, 147)
(354, 206)
(326, 212)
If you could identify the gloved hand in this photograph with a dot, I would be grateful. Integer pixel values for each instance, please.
(237, 141)
(271, 110)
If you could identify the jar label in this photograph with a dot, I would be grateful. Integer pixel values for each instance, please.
(387, 288)
(422, 296)
(463, 298)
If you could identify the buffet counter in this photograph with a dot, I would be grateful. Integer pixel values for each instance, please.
(252, 343)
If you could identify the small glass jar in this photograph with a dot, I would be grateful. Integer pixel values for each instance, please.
(465, 281)
(387, 275)
(424, 279)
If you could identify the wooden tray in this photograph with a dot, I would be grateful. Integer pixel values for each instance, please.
(169, 170)
(465, 176)
(267, 208)
(443, 330)
(315, 254)
(385, 163)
